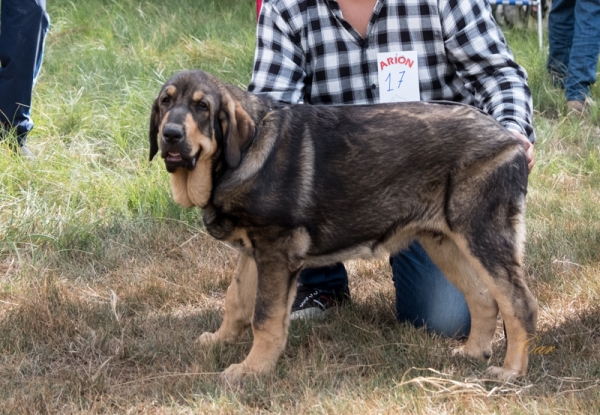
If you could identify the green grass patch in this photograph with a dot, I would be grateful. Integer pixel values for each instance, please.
(105, 283)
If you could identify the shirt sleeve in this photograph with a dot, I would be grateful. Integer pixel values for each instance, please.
(278, 58)
(477, 49)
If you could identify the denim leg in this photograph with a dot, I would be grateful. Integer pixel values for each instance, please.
(561, 24)
(332, 279)
(23, 28)
(584, 51)
(425, 296)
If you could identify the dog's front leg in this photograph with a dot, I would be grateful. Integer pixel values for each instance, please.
(239, 303)
(271, 319)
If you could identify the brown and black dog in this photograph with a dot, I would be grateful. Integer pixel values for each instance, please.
(294, 186)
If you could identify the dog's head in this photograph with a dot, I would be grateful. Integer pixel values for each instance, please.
(195, 120)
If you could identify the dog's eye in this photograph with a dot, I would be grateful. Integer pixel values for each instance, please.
(166, 100)
(201, 106)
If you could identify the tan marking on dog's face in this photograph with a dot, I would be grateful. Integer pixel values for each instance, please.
(163, 121)
(194, 187)
(199, 184)
(171, 90)
(197, 96)
(198, 140)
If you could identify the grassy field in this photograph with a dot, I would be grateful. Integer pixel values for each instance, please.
(105, 283)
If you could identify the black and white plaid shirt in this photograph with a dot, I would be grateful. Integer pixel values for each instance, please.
(307, 52)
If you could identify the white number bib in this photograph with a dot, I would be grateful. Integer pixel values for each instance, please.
(398, 76)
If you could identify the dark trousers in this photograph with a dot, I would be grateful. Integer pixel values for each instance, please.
(23, 28)
(574, 38)
(423, 294)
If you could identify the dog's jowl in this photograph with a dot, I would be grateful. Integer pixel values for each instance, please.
(294, 186)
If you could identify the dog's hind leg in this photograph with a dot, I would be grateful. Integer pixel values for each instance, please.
(496, 255)
(485, 212)
(239, 303)
(482, 306)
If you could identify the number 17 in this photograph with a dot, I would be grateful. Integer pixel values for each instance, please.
(389, 80)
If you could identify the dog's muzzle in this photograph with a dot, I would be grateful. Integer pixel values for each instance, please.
(175, 148)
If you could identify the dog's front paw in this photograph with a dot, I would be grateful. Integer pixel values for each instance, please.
(234, 374)
(208, 338)
(477, 354)
(503, 374)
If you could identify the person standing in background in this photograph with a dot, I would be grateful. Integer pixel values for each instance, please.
(23, 28)
(574, 39)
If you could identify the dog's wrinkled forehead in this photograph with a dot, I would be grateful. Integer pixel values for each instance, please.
(191, 86)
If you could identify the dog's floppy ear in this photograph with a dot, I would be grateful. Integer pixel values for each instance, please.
(237, 127)
(153, 134)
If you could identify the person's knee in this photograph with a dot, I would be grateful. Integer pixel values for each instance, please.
(449, 320)
(454, 325)
(424, 297)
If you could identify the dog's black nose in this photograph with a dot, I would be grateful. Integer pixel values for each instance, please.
(172, 134)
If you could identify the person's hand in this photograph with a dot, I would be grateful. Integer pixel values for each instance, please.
(528, 150)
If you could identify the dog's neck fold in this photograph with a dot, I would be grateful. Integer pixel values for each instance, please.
(190, 188)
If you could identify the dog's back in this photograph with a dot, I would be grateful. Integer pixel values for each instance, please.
(351, 175)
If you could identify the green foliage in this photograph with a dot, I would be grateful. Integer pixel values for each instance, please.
(99, 268)
(104, 64)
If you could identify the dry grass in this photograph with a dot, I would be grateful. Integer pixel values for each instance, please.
(105, 283)
(122, 339)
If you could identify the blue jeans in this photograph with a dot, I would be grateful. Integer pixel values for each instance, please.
(23, 28)
(423, 295)
(574, 37)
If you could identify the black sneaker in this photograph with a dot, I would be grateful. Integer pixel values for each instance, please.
(313, 304)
